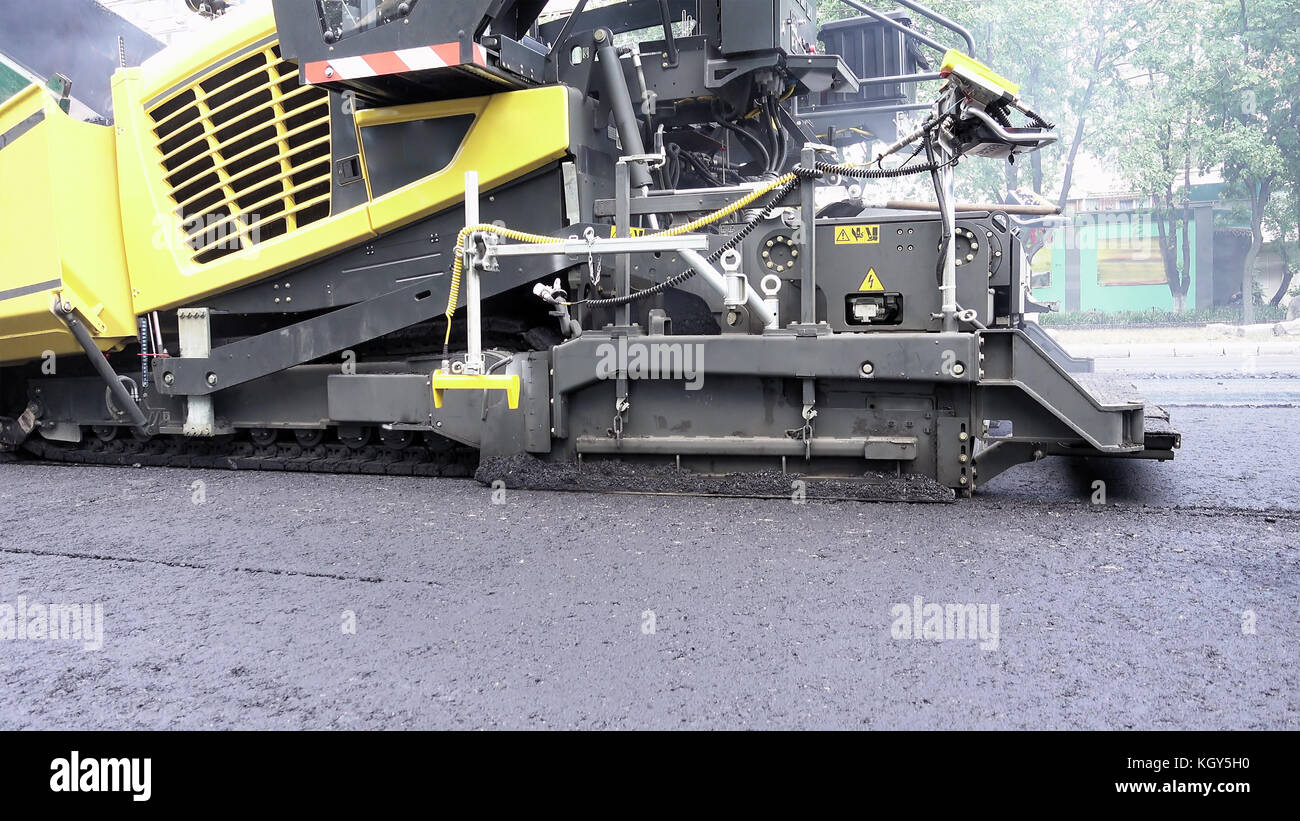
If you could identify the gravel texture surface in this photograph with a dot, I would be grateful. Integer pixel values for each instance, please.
(565, 610)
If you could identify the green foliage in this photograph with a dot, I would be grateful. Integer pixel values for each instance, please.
(1027, 41)
(1158, 90)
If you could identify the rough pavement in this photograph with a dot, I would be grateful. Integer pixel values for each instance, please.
(535, 613)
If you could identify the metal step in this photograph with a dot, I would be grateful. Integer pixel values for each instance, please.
(1044, 340)
(1158, 432)
(1108, 390)
(1020, 382)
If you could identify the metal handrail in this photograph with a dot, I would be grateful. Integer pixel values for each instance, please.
(899, 78)
(952, 25)
(913, 33)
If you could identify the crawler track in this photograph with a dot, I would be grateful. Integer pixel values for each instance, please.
(175, 451)
(449, 460)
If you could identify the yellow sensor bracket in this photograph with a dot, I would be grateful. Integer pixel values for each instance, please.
(986, 83)
(476, 382)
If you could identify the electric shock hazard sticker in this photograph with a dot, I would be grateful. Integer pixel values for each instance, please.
(871, 282)
(857, 235)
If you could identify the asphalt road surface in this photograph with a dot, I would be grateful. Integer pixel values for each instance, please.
(1173, 604)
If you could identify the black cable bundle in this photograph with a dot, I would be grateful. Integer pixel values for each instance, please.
(673, 281)
(864, 173)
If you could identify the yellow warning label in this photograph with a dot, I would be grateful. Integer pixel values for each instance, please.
(634, 232)
(871, 282)
(857, 235)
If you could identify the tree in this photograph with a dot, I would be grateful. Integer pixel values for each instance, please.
(1270, 41)
(1252, 165)
(1111, 33)
(1156, 157)
(1025, 41)
(1066, 58)
(1159, 114)
(1283, 221)
(1246, 92)
(1161, 88)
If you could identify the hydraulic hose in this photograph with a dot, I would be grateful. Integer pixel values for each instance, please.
(754, 142)
(620, 103)
(125, 402)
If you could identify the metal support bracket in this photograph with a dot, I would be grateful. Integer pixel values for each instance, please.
(475, 382)
(808, 282)
(194, 326)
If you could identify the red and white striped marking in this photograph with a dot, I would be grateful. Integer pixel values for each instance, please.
(390, 62)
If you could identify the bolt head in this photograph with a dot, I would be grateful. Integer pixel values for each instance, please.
(868, 369)
(212, 379)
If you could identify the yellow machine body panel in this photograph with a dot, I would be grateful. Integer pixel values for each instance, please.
(225, 166)
(225, 163)
(217, 174)
(512, 134)
(60, 234)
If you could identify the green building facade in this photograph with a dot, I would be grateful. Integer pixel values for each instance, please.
(1110, 261)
